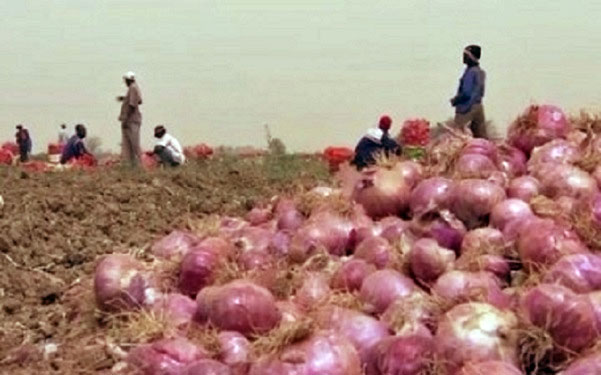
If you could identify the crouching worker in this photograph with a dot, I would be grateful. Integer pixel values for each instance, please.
(368, 147)
(391, 147)
(75, 147)
(167, 149)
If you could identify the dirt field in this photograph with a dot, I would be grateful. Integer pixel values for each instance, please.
(54, 226)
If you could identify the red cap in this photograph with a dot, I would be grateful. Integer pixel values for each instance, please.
(385, 122)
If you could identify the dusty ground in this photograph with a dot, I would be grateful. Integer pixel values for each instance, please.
(54, 226)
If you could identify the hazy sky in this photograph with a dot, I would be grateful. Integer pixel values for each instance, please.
(319, 72)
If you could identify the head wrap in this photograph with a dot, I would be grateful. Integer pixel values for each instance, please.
(130, 76)
(385, 122)
(374, 134)
(474, 52)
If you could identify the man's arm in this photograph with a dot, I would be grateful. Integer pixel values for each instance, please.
(467, 89)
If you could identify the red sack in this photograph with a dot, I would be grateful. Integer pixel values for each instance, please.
(6, 156)
(84, 162)
(148, 160)
(200, 151)
(11, 146)
(415, 132)
(337, 155)
(36, 166)
(55, 149)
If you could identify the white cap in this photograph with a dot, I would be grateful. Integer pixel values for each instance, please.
(130, 75)
(375, 134)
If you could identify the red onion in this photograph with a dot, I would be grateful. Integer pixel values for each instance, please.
(472, 165)
(587, 365)
(538, 125)
(565, 180)
(120, 282)
(415, 309)
(595, 301)
(524, 188)
(374, 250)
(383, 192)
(280, 243)
(568, 317)
(176, 308)
(239, 306)
(288, 216)
(253, 239)
(407, 354)
(489, 368)
(494, 264)
(382, 287)
(443, 226)
(256, 260)
(363, 331)
(198, 267)
(165, 357)
(481, 146)
(258, 216)
(177, 243)
(432, 194)
(207, 367)
(235, 349)
(482, 241)
(428, 260)
(461, 286)
(322, 353)
(473, 200)
(579, 272)
(542, 242)
(351, 274)
(230, 226)
(314, 290)
(511, 160)
(392, 228)
(499, 178)
(323, 230)
(558, 151)
(476, 332)
(509, 210)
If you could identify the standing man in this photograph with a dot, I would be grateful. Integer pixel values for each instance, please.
(131, 120)
(24, 142)
(469, 111)
(63, 135)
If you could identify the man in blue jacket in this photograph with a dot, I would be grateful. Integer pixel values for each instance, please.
(469, 111)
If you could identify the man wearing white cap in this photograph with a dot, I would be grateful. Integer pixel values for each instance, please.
(131, 120)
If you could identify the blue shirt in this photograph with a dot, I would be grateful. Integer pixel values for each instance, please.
(73, 149)
(471, 89)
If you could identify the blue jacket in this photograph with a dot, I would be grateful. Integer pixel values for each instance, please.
(74, 148)
(471, 89)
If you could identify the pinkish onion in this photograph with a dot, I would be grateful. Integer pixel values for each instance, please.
(524, 188)
(476, 332)
(489, 368)
(494, 264)
(363, 331)
(280, 243)
(460, 286)
(120, 282)
(288, 216)
(509, 210)
(482, 241)
(235, 349)
(417, 308)
(405, 354)
(428, 260)
(323, 230)
(165, 357)
(382, 287)
(432, 194)
(230, 226)
(442, 226)
(207, 367)
(585, 365)
(176, 308)
(411, 171)
(351, 274)
(537, 126)
(558, 151)
(392, 228)
(471, 165)
(511, 160)
(498, 178)
(569, 318)
(322, 353)
(542, 242)
(258, 216)
(313, 291)
(253, 239)
(198, 267)
(473, 200)
(374, 250)
(177, 243)
(239, 306)
(579, 272)
(565, 180)
(481, 146)
(256, 260)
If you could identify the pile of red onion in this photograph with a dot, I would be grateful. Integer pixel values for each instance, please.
(407, 268)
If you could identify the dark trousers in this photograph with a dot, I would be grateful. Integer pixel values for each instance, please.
(165, 156)
(24, 155)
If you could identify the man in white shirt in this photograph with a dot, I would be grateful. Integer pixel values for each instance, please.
(167, 149)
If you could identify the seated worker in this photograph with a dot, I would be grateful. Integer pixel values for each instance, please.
(75, 147)
(367, 148)
(167, 149)
(391, 147)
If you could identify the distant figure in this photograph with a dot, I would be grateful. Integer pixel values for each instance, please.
(167, 149)
(131, 120)
(23, 140)
(469, 111)
(368, 147)
(75, 147)
(63, 135)
(391, 147)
